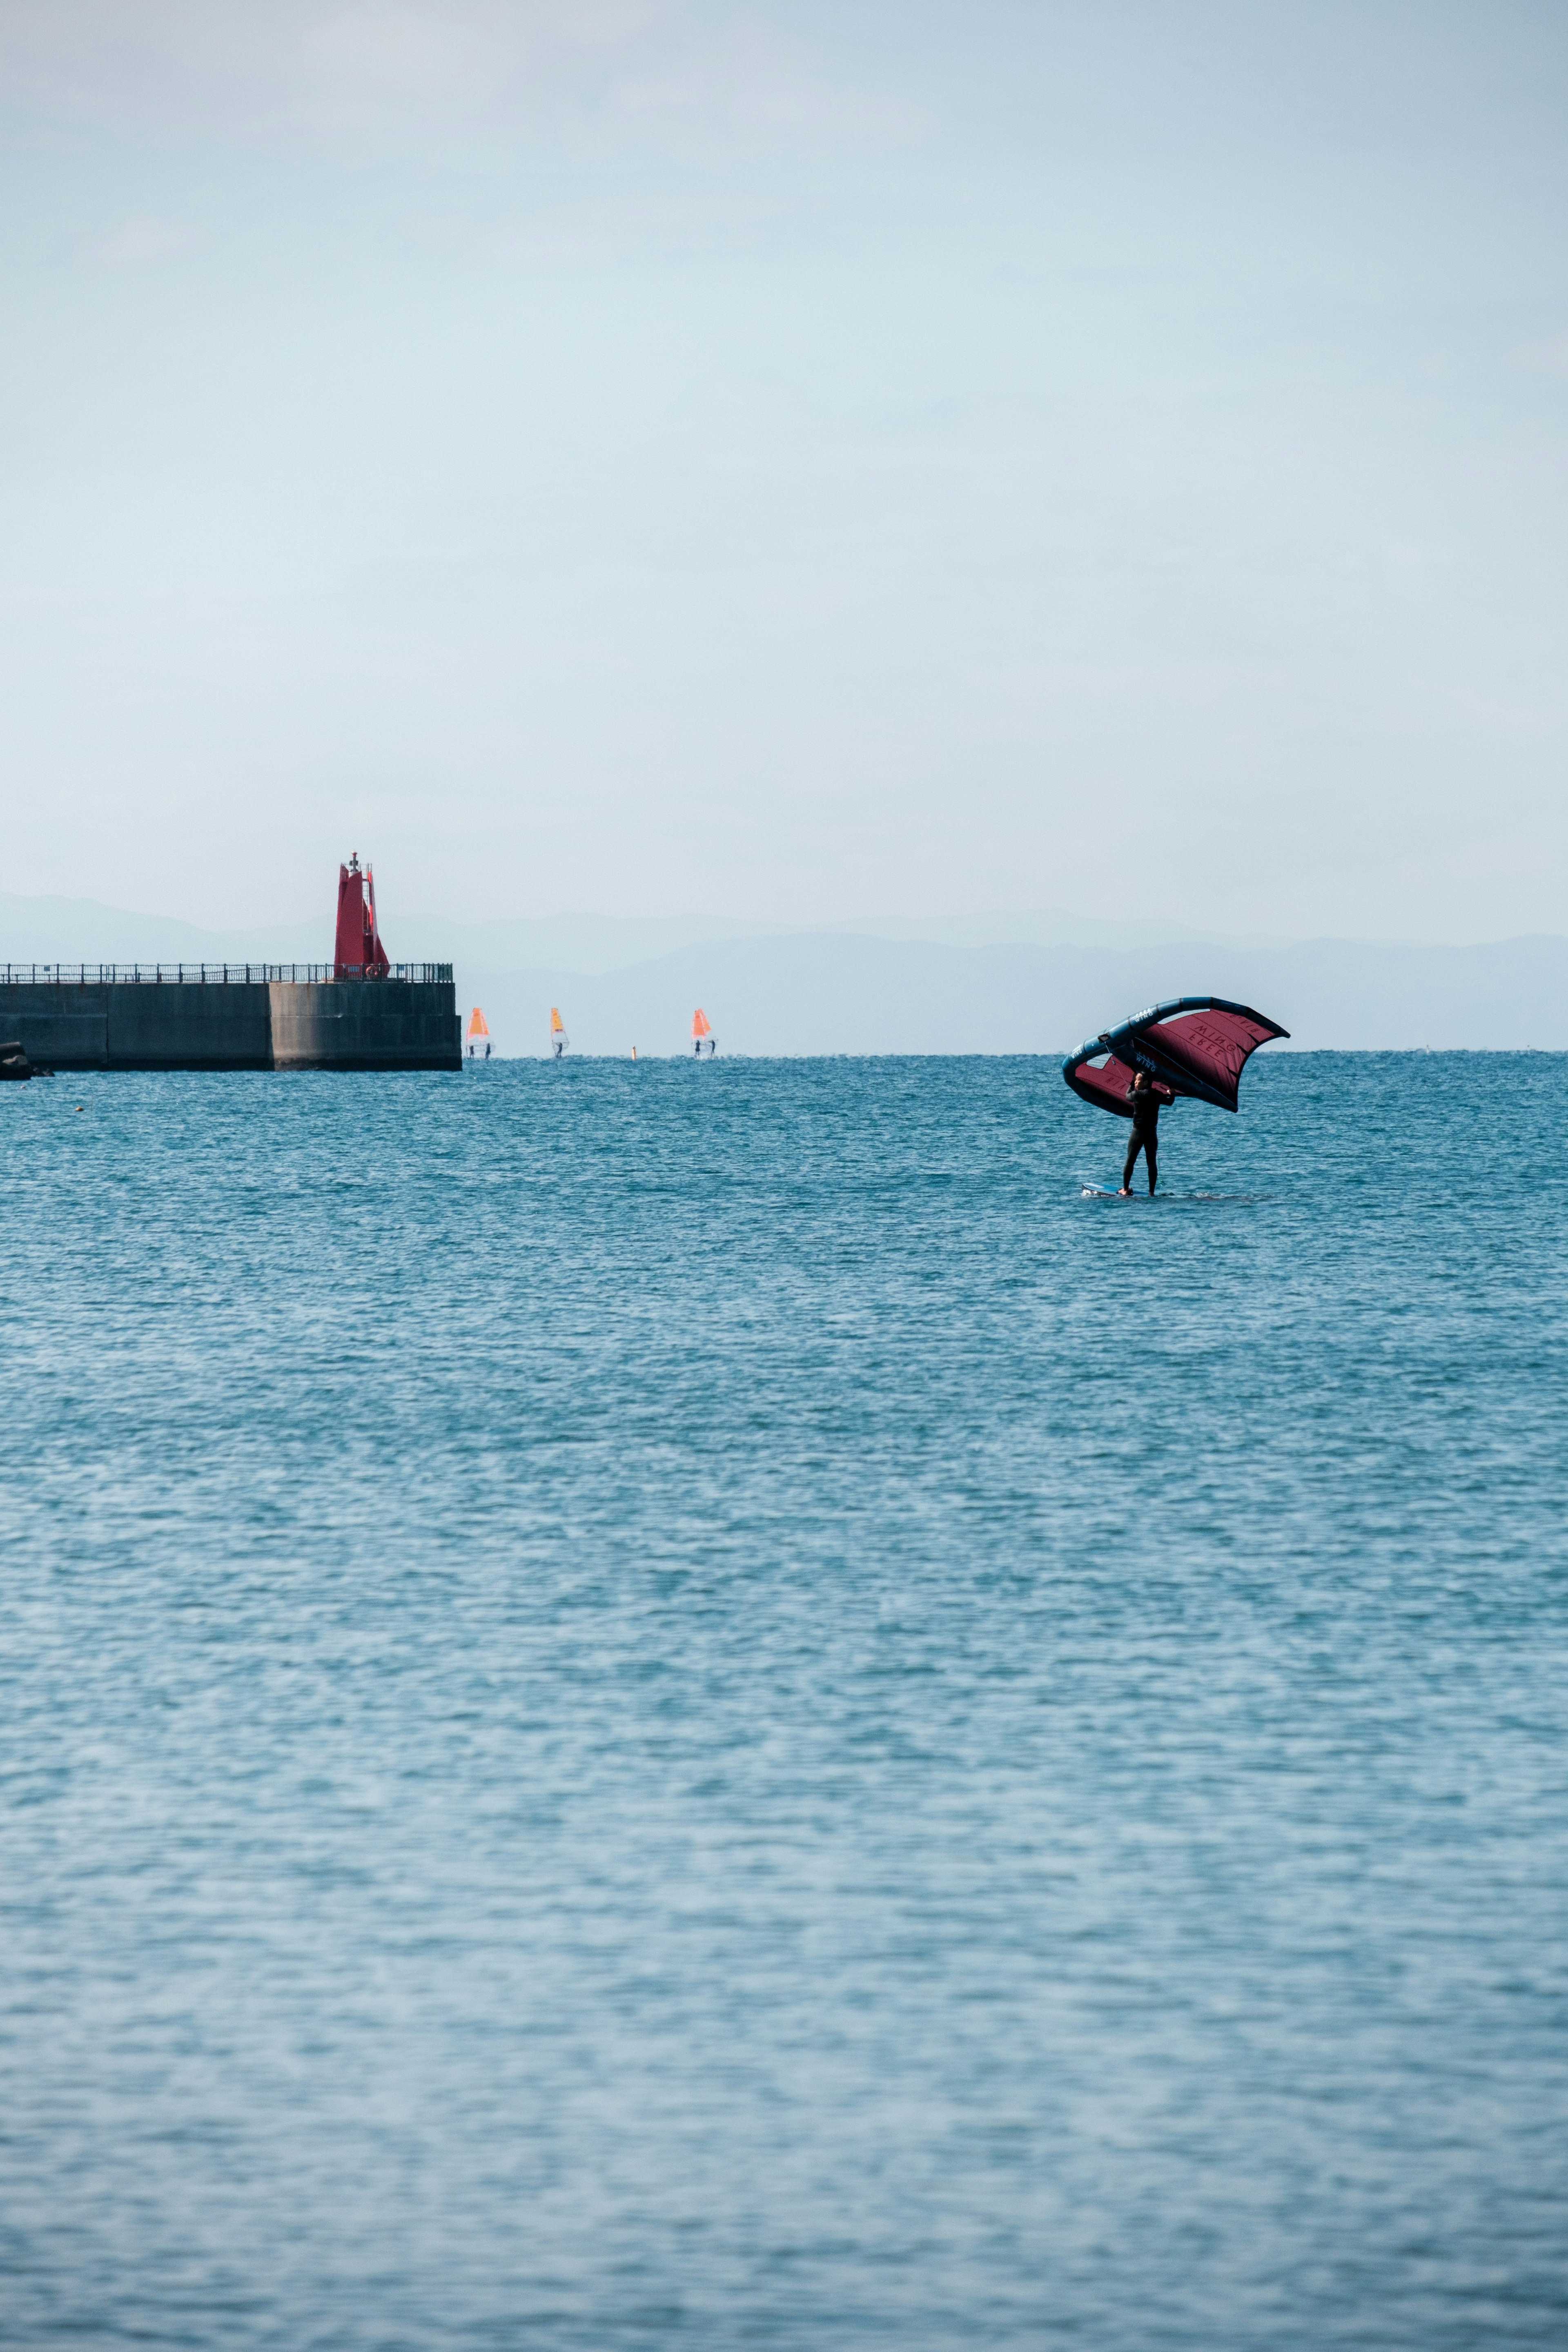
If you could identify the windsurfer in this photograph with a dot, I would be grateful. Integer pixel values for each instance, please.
(1145, 1138)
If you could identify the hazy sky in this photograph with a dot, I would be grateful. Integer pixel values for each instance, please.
(789, 461)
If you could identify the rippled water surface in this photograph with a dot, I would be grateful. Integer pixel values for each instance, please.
(663, 1706)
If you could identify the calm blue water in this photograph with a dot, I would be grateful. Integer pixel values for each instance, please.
(669, 1707)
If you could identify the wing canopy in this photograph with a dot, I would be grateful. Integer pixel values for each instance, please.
(1195, 1046)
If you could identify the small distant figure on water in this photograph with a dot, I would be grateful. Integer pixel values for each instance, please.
(701, 1029)
(558, 1037)
(478, 1027)
(1145, 1136)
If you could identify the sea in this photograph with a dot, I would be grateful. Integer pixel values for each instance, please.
(701, 1705)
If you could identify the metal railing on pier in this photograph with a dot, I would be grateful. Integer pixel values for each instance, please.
(208, 976)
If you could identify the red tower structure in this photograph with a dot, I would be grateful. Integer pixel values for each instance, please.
(360, 954)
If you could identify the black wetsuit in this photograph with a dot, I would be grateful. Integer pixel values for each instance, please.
(1145, 1136)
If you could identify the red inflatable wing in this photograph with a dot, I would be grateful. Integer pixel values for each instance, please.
(1195, 1046)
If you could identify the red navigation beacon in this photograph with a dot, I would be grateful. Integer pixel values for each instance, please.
(360, 954)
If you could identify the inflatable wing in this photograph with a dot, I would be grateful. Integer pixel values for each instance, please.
(1193, 1045)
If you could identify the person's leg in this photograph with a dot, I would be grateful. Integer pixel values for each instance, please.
(1149, 1159)
(1134, 1146)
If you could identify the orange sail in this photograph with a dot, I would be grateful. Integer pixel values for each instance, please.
(477, 1026)
(557, 1026)
(700, 1023)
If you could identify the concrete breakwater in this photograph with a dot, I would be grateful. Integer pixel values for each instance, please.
(230, 1017)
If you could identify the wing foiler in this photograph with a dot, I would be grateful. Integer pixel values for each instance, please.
(1195, 1046)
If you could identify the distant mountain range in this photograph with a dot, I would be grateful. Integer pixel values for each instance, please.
(1035, 981)
(69, 930)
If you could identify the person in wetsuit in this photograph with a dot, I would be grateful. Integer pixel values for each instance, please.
(1145, 1136)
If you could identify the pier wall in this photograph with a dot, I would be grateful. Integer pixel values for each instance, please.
(58, 1028)
(383, 1025)
(233, 1024)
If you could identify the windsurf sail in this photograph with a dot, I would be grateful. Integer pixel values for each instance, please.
(700, 1026)
(1195, 1046)
(558, 1037)
(477, 1026)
